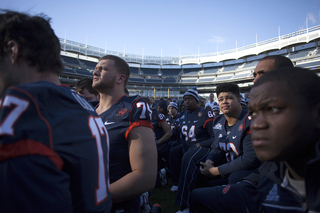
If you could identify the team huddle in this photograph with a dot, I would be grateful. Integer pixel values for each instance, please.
(97, 149)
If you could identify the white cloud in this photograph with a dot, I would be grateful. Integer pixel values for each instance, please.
(312, 18)
(217, 39)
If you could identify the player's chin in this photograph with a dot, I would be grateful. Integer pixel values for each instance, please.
(266, 155)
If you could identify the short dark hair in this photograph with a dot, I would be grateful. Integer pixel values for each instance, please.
(228, 87)
(303, 82)
(86, 83)
(279, 61)
(120, 64)
(38, 45)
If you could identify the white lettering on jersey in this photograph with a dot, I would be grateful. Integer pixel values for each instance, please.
(145, 109)
(189, 134)
(97, 130)
(21, 106)
(218, 126)
(85, 104)
(231, 150)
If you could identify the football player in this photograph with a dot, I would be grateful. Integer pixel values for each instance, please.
(195, 125)
(53, 145)
(171, 120)
(84, 88)
(241, 196)
(133, 154)
(231, 155)
(285, 109)
(162, 133)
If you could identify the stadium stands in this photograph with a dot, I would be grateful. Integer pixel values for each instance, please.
(83, 72)
(89, 64)
(136, 79)
(70, 61)
(190, 71)
(68, 70)
(154, 80)
(231, 68)
(189, 80)
(224, 77)
(300, 54)
(310, 65)
(181, 72)
(170, 72)
(211, 70)
(250, 64)
(243, 74)
(170, 80)
(148, 71)
(206, 79)
(134, 70)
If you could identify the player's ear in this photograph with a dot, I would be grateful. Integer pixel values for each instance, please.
(121, 78)
(13, 51)
(239, 100)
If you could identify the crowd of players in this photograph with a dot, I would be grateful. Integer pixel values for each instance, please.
(98, 149)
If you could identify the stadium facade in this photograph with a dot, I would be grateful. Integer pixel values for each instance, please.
(172, 76)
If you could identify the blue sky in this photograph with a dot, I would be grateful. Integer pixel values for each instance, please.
(171, 27)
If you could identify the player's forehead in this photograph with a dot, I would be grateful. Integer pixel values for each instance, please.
(107, 63)
(189, 97)
(225, 94)
(270, 92)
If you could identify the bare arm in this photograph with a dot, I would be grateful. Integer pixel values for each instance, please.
(143, 160)
(165, 126)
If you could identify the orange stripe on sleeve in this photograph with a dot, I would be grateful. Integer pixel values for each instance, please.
(161, 122)
(138, 123)
(29, 147)
(205, 123)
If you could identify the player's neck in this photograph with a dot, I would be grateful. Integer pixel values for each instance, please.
(297, 165)
(107, 100)
(234, 117)
(30, 74)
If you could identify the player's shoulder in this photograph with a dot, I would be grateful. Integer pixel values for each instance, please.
(183, 115)
(47, 94)
(40, 91)
(219, 121)
(131, 101)
(245, 118)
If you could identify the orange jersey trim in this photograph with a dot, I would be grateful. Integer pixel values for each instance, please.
(161, 122)
(138, 123)
(29, 147)
(39, 114)
(205, 123)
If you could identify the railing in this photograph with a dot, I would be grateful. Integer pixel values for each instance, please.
(178, 59)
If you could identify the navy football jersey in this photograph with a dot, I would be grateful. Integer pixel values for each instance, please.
(119, 119)
(53, 152)
(173, 126)
(157, 119)
(196, 127)
(232, 145)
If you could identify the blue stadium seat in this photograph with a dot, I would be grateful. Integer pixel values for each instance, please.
(83, 72)
(70, 60)
(170, 72)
